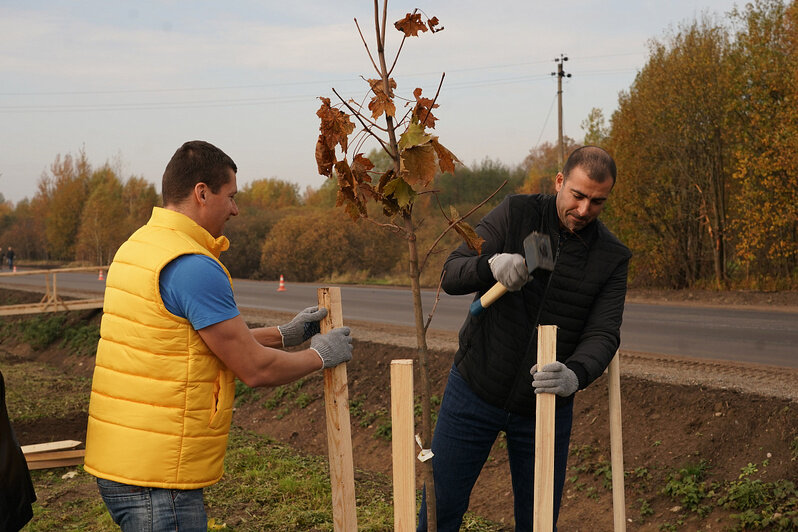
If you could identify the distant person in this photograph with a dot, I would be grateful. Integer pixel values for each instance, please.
(172, 342)
(16, 489)
(494, 379)
(10, 256)
(2, 258)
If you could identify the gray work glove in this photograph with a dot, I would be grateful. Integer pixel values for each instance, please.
(510, 270)
(554, 378)
(333, 347)
(302, 327)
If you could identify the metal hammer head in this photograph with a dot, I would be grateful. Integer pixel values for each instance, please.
(537, 252)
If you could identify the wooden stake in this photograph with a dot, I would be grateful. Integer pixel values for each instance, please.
(339, 430)
(45, 460)
(402, 445)
(543, 518)
(616, 444)
(51, 446)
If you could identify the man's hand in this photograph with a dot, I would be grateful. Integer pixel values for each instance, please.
(510, 270)
(333, 347)
(554, 378)
(302, 327)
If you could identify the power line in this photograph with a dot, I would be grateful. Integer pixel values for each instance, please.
(287, 83)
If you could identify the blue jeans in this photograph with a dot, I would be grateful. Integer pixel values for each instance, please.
(138, 509)
(465, 431)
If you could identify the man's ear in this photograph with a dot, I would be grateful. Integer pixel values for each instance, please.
(200, 192)
(558, 181)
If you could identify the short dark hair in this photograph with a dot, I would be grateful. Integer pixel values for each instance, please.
(595, 161)
(195, 162)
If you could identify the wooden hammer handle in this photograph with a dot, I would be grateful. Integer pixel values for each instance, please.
(487, 299)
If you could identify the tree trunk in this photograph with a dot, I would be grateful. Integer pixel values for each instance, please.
(423, 364)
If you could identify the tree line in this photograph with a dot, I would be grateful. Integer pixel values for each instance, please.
(705, 138)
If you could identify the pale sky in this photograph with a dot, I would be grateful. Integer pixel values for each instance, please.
(130, 81)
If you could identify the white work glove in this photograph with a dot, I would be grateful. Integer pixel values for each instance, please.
(333, 347)
(510, 270)
(302, 327)
(554, 378)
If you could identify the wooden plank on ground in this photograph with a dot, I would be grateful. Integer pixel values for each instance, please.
(50, 446)
(50, 459)
(55, 455)
(339, 430)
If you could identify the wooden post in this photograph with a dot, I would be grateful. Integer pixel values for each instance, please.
(543, 518)
(339, 430)
(402, 445)
(616, 444)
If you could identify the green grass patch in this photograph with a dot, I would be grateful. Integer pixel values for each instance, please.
(82, 338)
(41, 331)
(37, 391)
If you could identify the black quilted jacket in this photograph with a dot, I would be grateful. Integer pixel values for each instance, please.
(584, 297)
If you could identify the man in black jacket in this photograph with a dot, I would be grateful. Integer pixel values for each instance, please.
(494, 379)
(16, 489)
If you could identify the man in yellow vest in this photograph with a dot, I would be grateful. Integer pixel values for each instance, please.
(172, 342)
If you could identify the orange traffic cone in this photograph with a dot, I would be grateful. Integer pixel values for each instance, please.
(100, 278)
(15, 269)
(281, 288)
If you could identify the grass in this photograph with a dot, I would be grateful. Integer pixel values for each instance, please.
(56, 395)
(754, 504)
(266, 486)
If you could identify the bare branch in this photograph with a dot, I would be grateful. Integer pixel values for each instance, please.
(357, 115)
(384, 19)
(399, 51)
(388, 227)
(453, 222)
(396, 57)
(433, 103)
(380, 35)
(434, 305)
(371, 58)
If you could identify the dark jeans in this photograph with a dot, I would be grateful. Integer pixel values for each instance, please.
(465, 431)
(138, 509)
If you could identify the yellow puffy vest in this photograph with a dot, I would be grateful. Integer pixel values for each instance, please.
(161, 401)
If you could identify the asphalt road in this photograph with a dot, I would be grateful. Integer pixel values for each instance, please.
(732, 334)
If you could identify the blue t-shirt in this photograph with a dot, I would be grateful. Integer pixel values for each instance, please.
(196, 287)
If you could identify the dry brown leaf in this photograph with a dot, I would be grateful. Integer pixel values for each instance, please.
(325, 157)
(423, 110)
(361, 165)
(382, 103)
(411, 25)
(418, 165)
(335, 125)
(446, 159)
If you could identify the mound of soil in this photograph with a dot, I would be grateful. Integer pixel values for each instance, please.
(669, 423)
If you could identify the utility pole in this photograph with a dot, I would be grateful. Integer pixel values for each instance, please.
(560, 74)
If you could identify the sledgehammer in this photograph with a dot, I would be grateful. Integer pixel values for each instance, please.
(538, 256)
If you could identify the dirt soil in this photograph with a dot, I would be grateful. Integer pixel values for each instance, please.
(676, 412)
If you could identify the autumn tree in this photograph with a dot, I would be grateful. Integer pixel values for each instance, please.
(417, 156)
(313, 245)
(596, 130)
(102, 225)
(542, 165)
(24, 232)
(765, 70)
(69, 190)
(671, 136)
(470, 184)
(263, 194)
(139, 197)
